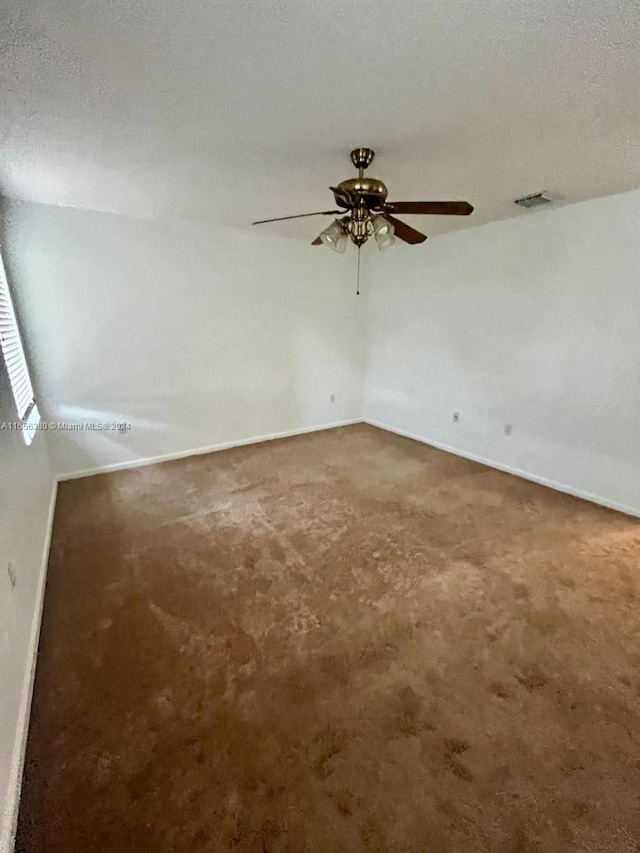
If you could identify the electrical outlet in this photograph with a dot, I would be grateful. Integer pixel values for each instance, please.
(12, 575)
(456, 417)
(508, 429)
(333, 398)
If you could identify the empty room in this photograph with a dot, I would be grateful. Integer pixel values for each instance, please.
(320, 426)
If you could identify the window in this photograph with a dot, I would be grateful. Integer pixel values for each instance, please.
(16, 363)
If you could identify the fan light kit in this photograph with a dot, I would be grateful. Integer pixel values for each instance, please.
(367, 213)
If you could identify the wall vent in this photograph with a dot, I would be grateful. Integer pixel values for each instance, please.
(534, 200)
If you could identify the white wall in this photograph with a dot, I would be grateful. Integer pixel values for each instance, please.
(26, 505)
(533, 322)
(197, 336)
(202, 336)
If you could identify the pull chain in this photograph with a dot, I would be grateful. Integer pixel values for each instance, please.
(358, 275)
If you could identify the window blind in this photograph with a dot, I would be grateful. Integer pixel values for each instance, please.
(13, 352)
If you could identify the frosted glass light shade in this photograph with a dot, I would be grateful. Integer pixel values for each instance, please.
(334, 237)
(383, 231)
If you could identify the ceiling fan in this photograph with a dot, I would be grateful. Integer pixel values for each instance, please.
(366, 211)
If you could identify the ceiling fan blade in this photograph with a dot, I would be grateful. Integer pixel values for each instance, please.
(405, 232)
(317, 242)
(441, 208)
(298, 216)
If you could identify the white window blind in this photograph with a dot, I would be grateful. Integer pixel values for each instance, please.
(13, 351)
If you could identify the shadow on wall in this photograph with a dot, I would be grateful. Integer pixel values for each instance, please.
(179, 337)
(174, 422)
(164, 423)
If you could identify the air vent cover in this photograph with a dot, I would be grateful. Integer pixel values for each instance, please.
(534, 200)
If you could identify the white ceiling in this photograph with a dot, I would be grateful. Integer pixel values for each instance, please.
(232, 110)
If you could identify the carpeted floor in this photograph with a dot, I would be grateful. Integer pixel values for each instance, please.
(344, 641)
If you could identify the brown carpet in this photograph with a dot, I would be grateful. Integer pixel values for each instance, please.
(345, 641)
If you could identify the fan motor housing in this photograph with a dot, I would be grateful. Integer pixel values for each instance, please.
(369, 191)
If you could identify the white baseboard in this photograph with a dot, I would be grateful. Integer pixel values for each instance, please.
(525, 475)
(198, 451)
(19, 748)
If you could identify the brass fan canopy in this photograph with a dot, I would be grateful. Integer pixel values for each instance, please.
(362, 157)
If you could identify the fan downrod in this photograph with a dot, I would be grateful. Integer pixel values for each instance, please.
(361, 158)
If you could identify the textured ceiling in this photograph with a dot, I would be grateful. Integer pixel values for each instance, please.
(229, 111)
